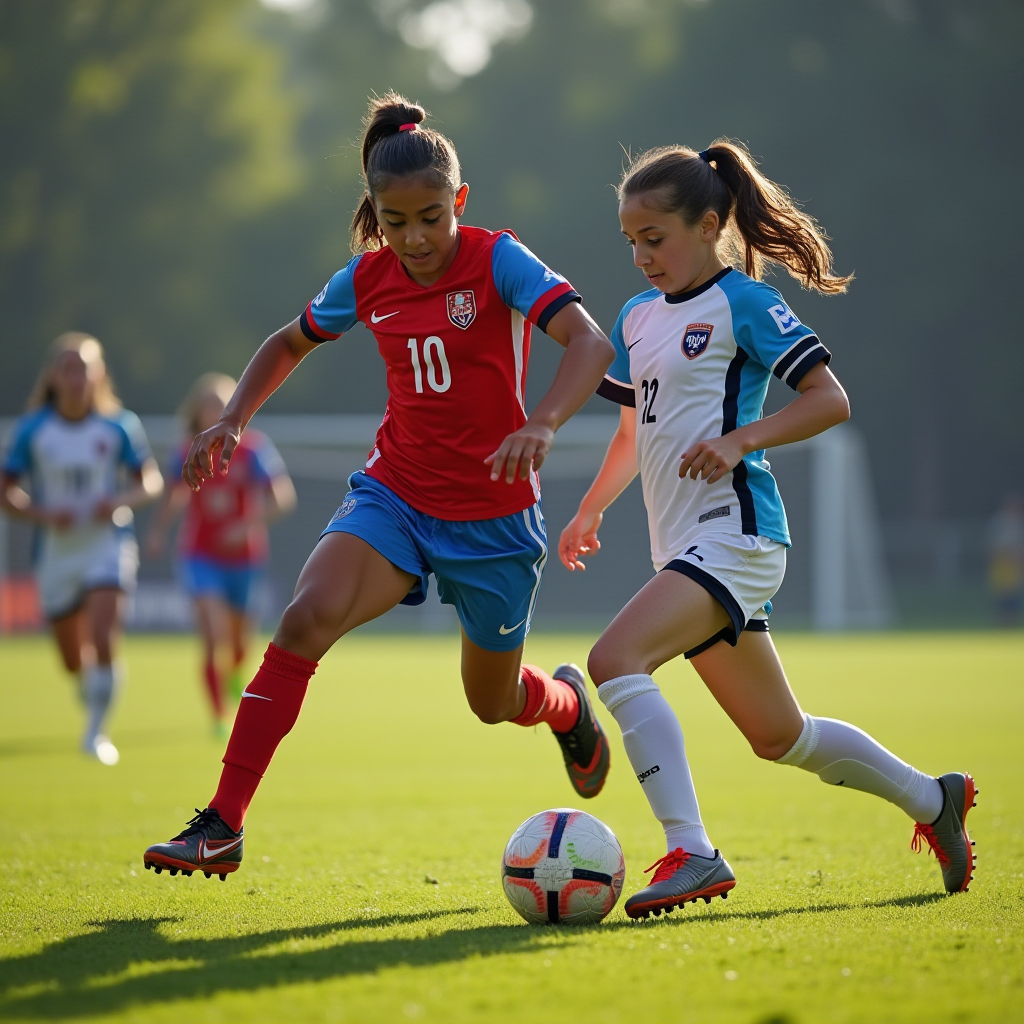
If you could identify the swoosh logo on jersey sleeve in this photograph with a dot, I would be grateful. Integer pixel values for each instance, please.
(374, 319)
(629, 348)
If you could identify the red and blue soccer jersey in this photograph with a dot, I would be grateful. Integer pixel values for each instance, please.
(215, 514)
(456, 355)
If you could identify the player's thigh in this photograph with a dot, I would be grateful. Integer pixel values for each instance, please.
(670, 615)
(748, 681)
(103, 614)
(70, 635)
(491, 680)
(344, 583)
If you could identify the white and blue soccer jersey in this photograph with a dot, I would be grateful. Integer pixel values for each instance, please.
(696, 365)
(72, 465)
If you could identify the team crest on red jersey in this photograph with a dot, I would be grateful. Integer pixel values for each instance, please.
(462, 307)
(695, 339)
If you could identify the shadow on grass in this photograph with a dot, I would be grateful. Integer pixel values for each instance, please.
(135, 963)
(723, 916)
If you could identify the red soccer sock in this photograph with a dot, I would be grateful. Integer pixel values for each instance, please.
(548, 700)
(213, 687)
(266, 713)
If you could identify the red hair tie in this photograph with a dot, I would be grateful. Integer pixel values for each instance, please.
(407, 127)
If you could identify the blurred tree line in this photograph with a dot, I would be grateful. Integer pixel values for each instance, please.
(178, 179)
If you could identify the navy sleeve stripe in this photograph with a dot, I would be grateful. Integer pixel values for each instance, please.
(555, 305)
(795, 352)
(616, 392)
(820, 354)
(308, 331)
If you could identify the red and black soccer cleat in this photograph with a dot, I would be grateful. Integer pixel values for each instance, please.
(208, 844)
(584, 746)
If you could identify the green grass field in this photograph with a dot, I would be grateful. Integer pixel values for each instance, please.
(388, 779)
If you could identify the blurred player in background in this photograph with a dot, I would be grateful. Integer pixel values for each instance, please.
(450, 488)
(1006, 559)
(694, 356)
(87, 464)
(223, 546)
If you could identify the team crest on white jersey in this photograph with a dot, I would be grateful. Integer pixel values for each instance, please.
(462, 307)
(695, 339)
(784, 317)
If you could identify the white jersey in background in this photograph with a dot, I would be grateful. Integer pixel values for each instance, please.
(73, 465)
(696, 365)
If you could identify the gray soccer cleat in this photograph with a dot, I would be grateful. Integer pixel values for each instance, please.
(682, 877)
(947, 835)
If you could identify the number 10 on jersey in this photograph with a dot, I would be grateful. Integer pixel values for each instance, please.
(435, 362)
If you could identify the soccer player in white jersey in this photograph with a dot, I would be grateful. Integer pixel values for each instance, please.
(87, 464)
(693, 360)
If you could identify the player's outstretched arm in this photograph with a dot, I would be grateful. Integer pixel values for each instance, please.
(619, 468)
(822, 403)
(588, 353)
(267, 370)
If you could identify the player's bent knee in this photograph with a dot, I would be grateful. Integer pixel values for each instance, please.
(605, 663)
(770, 749)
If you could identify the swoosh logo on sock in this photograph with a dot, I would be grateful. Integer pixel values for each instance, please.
(504, 632)
(258, 696)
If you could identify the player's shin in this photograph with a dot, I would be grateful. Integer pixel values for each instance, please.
(268, 709)
(100, 686)
(843, 755)
(654, 745)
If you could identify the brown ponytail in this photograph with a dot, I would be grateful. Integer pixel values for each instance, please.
(388, 153)
(724, 178)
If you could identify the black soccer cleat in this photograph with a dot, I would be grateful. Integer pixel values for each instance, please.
(208, 844)
(584, 746)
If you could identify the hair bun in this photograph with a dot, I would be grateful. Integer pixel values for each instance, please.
(389, 112)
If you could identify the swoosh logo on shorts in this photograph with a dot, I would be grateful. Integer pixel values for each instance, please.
(504, 632)
(246, 693)
(374, 319)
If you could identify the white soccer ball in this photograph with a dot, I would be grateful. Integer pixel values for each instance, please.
(563, 867)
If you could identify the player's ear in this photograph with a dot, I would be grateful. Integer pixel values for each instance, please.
(709, 224)
(460, 199)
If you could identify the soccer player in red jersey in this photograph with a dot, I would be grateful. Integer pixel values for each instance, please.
(450, 487)
(223, 544)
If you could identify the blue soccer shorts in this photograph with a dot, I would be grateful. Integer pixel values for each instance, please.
(489, 569)
(235, 584)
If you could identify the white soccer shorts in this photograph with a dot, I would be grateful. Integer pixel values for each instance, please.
(67, 572)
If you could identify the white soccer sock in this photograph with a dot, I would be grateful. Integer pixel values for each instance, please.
(655, 747)
(843, 755)
(101, 685)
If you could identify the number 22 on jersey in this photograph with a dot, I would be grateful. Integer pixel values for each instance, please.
(435, 363)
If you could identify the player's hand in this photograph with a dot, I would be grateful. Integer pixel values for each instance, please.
(711, 460)
(520, 452)
(579, 538)
(210, 453)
